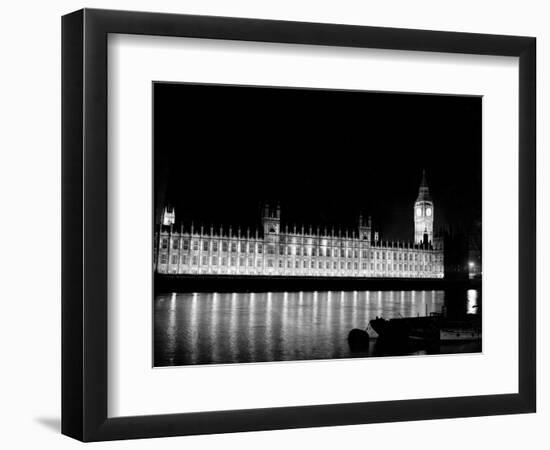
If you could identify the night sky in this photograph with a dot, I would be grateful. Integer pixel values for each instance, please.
(326, 155)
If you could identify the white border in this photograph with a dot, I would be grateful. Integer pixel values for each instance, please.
(136, 389)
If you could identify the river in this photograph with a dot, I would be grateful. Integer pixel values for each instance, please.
(221, 328)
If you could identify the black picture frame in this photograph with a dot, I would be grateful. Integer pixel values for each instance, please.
(84, 224)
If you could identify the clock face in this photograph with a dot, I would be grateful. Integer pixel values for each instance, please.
(418, 211)
(429, 212)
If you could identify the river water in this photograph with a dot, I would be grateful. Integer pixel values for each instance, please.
(221, 328)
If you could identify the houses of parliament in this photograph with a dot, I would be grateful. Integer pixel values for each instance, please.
(277, 251)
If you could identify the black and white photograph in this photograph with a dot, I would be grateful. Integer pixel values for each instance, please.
(314, 224)
(275, 225)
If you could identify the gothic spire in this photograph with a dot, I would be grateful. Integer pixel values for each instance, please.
(424, 190)
(423, 183)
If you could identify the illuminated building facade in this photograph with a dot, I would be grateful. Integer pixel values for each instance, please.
(274, 251)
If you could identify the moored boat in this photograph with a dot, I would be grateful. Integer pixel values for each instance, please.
(433, 328)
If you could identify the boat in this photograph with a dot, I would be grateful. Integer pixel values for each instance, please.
(432, 328)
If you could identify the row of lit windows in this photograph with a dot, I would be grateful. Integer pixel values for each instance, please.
(205, 261)
(215, 245)
(292, 241)
(396, 256)
(242, 247)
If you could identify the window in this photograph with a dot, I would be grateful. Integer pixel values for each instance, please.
(163, 258)
(214, 261)
(204, 261)
(305, 264)
(328, 252)
(233, 261)
(269, 263)
(215, 246)
(205, 246)
(224, 261)
(297, 264)
(355, 266)
(241, 262)
(313, 252)
(195, 245)
(250, 262)
(364, 253)
(174, 259)
(175, 244)
(224, 246)
(335, 265)
(342, 253)
(281, 263)
(260, 248)
(364, 266)
(259, 263)
(281, 250)
(289, 264)
(233, 247)
(342, 265)
(184, 259)
(243, 247)
(251, 248)
(185, 244)
(327, 265)
(195, 260)
(313, 264)
(320, 264)
(349, 266)
(356, 253)
(164, 244)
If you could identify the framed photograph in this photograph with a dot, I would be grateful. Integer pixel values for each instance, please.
(273, 224)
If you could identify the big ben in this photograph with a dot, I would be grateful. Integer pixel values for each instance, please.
(423, 213)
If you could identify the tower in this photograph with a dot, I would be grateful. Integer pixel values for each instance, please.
(365, 228)
(423, 213)
(168, 216)
(271, 221)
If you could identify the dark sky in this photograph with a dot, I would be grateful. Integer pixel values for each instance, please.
(326, 155)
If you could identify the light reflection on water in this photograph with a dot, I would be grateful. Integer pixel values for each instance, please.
(206, 328)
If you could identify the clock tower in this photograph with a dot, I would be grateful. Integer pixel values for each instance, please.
(423, 213)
